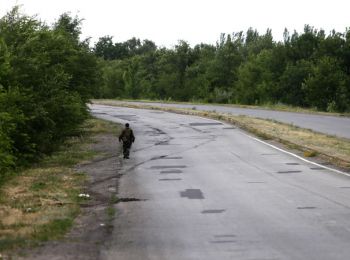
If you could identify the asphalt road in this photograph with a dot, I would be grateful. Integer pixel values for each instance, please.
(332, 125)
(195, 188)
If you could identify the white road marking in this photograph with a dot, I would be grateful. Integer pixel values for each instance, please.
(297, 156)
(286, 152)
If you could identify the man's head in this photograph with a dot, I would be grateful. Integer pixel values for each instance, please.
(127, 125)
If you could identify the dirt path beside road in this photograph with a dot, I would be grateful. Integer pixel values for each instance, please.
(94, 225)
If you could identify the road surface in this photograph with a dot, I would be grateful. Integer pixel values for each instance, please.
(332, 125)
(195, 188)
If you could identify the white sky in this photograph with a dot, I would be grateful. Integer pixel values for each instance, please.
(195, 21)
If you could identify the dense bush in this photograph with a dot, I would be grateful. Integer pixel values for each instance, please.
(46, 77)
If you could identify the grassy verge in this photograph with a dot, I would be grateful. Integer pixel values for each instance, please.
(332, 149)
(40, 203)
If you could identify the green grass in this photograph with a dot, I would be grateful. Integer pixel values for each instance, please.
(54, 229)
(41, 202)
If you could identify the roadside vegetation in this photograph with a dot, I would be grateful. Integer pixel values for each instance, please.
(46, 77)
(41, 202)
(309, 70)
(334, 150)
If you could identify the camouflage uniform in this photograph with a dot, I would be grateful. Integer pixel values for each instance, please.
(127, 136)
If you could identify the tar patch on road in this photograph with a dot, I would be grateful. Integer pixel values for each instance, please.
(308, 207)
(168, 167)
(171, 172)
(286, 172)
(192, 194)
(224, 236)
(317, 168)
(292, 163)
(169, 179)
(213, 211)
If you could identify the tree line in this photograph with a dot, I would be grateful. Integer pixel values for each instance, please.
(47, 75)
(309, 69)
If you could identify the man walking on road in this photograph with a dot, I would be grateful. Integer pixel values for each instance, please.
(127, 136)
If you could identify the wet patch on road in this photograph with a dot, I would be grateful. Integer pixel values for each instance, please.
(213, 211)
(171, 172)
(168, 167)
(287, 172)
(192, 194)
(307, 207)
(293, 163)
(224, 236)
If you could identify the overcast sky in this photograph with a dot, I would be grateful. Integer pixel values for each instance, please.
(167, 21)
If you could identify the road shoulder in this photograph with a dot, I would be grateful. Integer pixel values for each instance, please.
(92, 227)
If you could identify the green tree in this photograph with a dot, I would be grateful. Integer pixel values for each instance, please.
(327, 87)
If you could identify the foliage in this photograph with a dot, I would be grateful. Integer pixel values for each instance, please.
(43, 85)
(309, 69)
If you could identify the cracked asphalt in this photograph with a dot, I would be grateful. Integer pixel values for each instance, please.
(198, 189)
